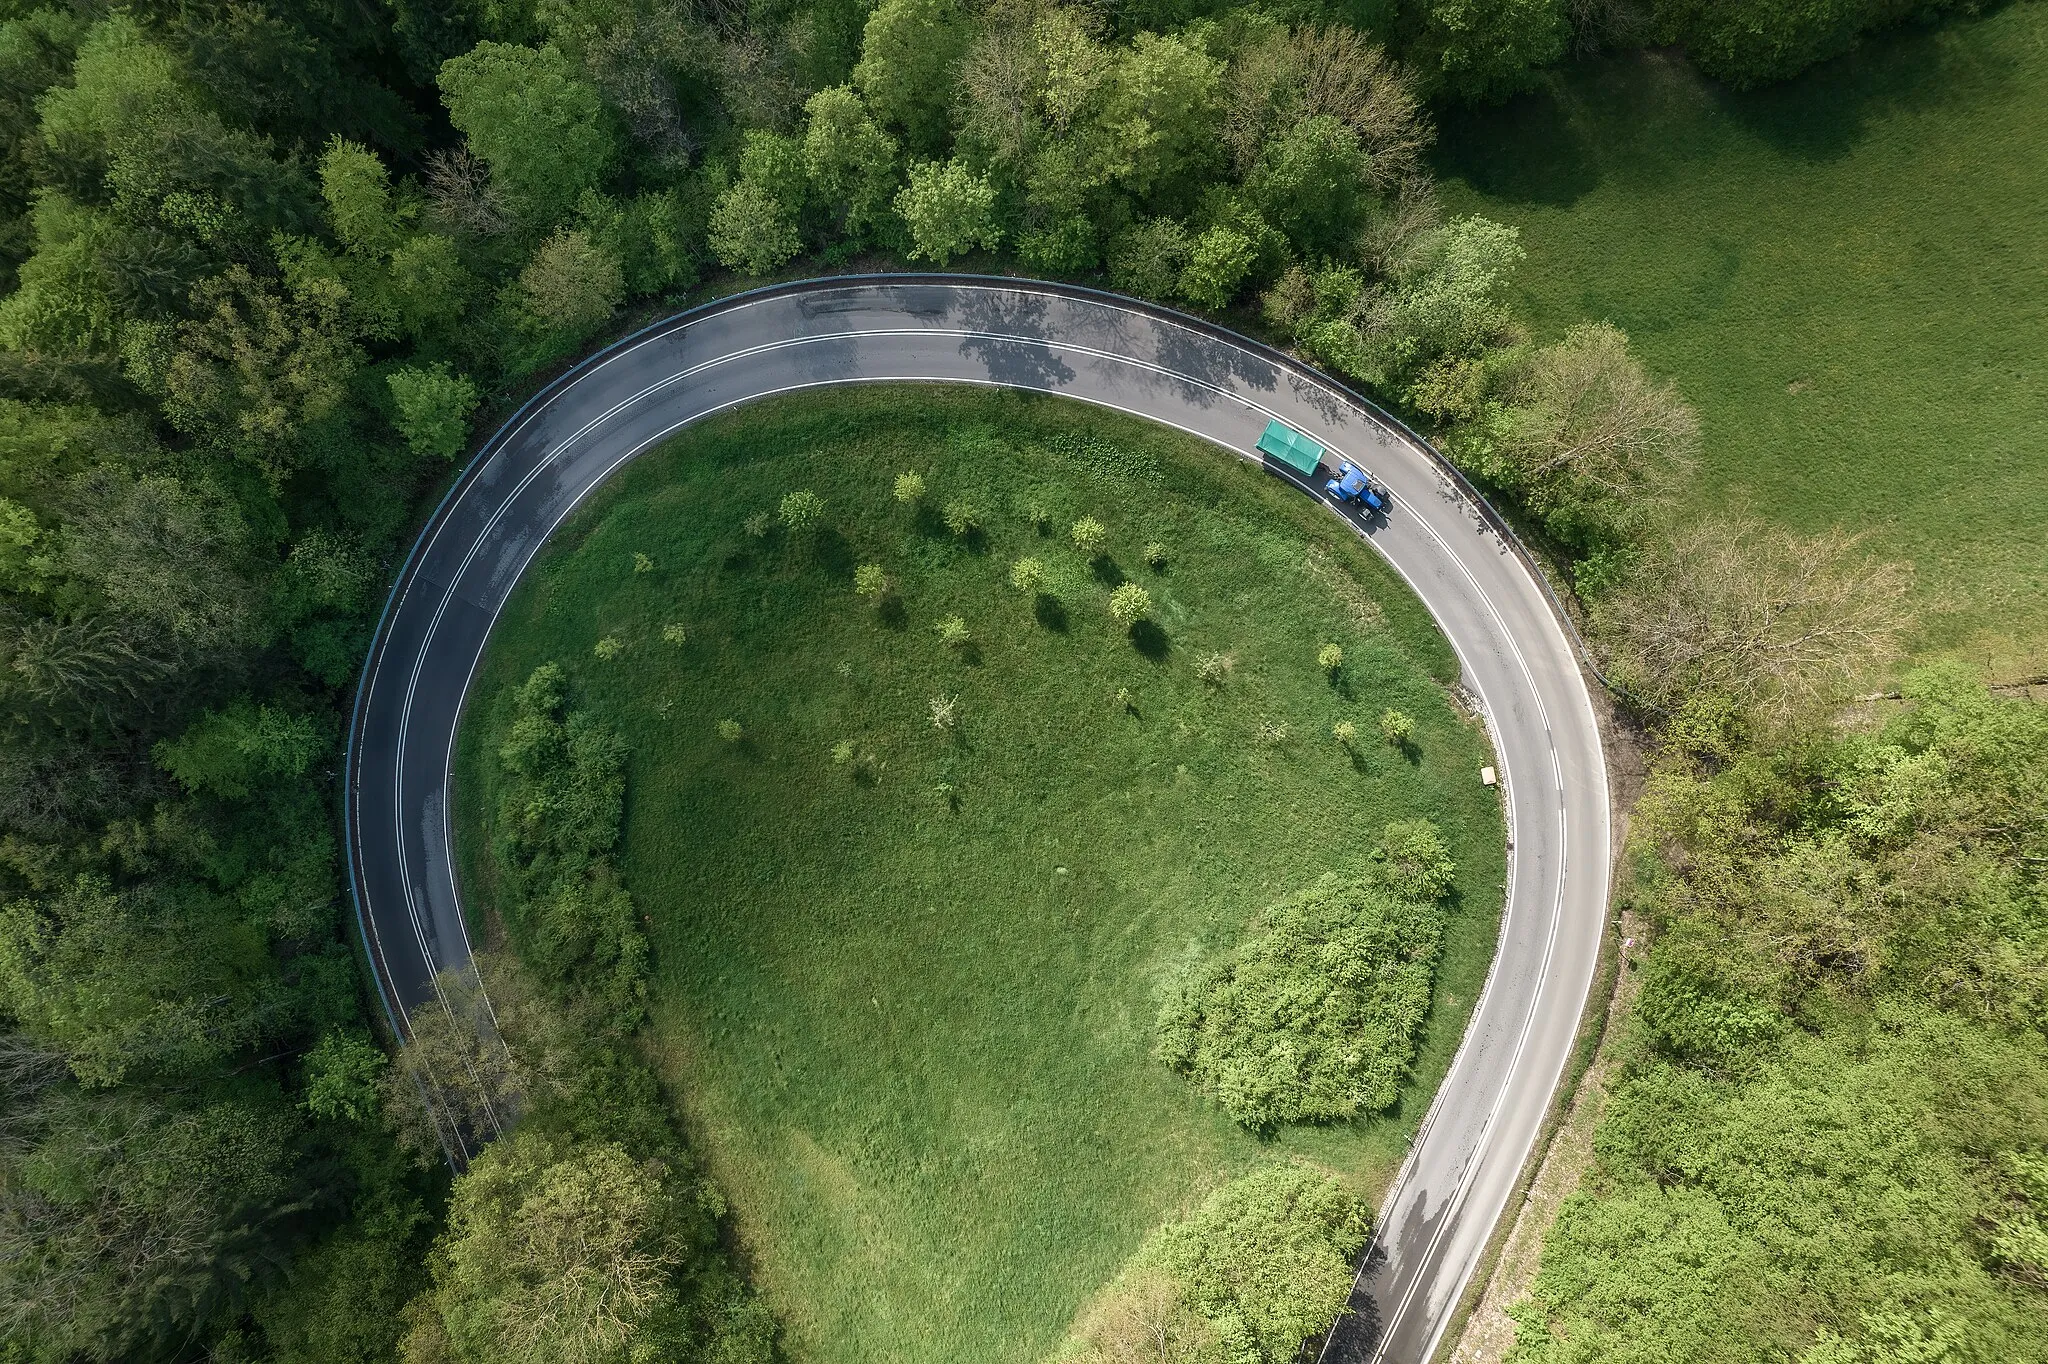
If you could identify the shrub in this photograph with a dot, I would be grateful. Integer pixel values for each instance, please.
(1129, 604)
(945, 711)
(609, 648)
(560, 805)
(1215, 668)
(953, 633)
(1413, 860)
(1345, 733)
(1029, 577)
(1330, 658)
(1155, 555)
(758, 525)
(1271, 733)
(730, 731)
(1397, 727)
(1267, 1259)
(1125, 701)
(1314, 1016)
(871, 582)
(1263, 1264)
(842, 753)
(1090, 536)
(909, 488)
(673, 634)
(642, 564)
(802, 509)
(962, 517)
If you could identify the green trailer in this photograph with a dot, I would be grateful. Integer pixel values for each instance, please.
(1283, 443)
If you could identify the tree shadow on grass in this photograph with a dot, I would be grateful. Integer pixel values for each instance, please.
(1529, 150)
(1107, 571)
(1824, 112)
(891, 612)
(1647, 114)
(834, 552)
(1050, 612)
(1148, 639)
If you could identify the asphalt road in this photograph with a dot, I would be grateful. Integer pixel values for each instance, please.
(1516, 657)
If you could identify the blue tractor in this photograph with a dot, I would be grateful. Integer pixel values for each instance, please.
(1354, 485)
(1285, 445)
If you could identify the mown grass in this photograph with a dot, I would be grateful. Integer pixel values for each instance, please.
(1847, 274)
(911, 1032)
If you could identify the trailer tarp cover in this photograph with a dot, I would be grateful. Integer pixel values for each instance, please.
(1291, 448)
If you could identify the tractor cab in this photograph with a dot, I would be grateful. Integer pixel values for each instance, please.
(1354, 485)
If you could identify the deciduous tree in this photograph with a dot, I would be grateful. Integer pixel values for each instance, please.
(357, 189)
(553, 1252)
(572, 285)
(950, 211)
(850, 159)
(1218, 264)
(908, 57)
(230, 752)
(433, 408)
(531, 116)
(263, 372)
(1778, 622)
(1489, 48)
(1588, 438)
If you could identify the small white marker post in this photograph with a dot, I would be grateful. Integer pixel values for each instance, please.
(1487, 778)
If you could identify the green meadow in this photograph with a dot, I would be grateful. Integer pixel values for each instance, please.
(1846, 274)
(906, 975)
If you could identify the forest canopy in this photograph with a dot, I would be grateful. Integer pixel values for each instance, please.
(263, 267)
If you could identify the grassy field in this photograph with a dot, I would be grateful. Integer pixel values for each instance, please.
(907, 1004)
(1848, 275)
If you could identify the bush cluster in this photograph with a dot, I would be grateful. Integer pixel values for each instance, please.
(1314, 1016)
(586, 1233)
(562, 797)
(1261, 1266)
